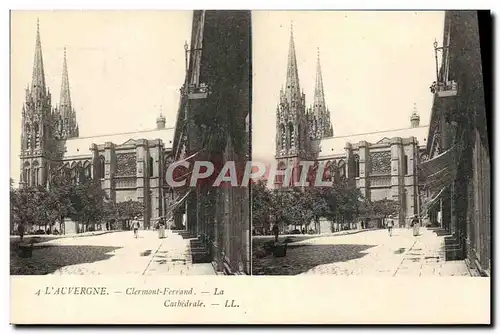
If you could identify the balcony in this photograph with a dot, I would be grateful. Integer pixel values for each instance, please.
(445, 89)
(197, 92)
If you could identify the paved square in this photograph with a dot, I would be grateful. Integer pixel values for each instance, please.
(367, 253)
(110, 253)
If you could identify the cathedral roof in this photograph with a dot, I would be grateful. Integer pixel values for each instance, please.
(81, 146)
(336, 145)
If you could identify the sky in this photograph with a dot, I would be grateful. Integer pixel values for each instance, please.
(124, 67)
(375, 65)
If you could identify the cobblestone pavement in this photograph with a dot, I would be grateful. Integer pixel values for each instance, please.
(174, 258)
(369, 253)
(105, 254)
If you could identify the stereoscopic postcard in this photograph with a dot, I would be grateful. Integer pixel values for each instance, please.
(250, 167)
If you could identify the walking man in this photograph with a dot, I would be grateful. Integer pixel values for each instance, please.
(415, 224)
(390, 225)
(135, 226)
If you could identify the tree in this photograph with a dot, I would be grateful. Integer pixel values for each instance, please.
(59, 202)
(28, 205)
(87, 203)
(261, 206)
(126, 211)
(385, 207)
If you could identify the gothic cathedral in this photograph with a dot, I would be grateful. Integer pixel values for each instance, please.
(43, 128)
(299, 130)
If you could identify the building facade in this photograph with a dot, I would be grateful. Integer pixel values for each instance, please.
(383, 164)
(456, 173)
(213, 125)
(130, 166)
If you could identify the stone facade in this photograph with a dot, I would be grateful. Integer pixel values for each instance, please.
(458, 145)
(130, 166)
(382, 164)
(212, 124)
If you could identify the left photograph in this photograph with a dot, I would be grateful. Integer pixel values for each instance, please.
(123, 125)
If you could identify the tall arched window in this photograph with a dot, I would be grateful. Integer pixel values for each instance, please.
(26, 173)
(328, 171)
(27, 131)
(102, 167)
(79, 173)
(86, 170)
(73, 172)
(405, 164)
(150, 166)
(356, 166)
(291, 137)
(299, 136)
(283, 136)
(37, 135)
(280, 178)
(36, 173)
(342, 168)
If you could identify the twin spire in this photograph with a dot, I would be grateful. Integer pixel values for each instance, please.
(39, 89)
(292, 75)
(292, 91)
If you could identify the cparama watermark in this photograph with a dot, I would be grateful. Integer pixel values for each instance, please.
(231, 173)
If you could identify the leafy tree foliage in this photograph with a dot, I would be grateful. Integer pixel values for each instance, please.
(341, 203)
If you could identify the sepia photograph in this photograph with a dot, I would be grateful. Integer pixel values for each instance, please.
(318, 155)
(373, 125)
(109, 119)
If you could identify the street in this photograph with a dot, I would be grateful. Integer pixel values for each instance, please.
(110, 253)
(366, 253)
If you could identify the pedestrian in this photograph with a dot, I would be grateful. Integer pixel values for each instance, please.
(20, 230)
(135, 226)
(415, 224)
(161, 228)
(276, 232)
(390, 225)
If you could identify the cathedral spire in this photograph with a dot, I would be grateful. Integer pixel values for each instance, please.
(38, 78)
(292, 88)
(319, 95)
(66, 111)
(65, 97)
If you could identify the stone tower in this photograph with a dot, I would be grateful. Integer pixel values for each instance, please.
(318, 114)
(292, 142)
(65, 116)
(415, 118)
(36, 124)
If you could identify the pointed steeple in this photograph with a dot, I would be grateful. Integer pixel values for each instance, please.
(38, 78)
(292, 88)
(65, 97)
(319, 94)
(66, 111)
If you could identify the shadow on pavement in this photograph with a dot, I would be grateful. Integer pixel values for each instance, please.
(301, 258)
(199, 254)
(47, 259)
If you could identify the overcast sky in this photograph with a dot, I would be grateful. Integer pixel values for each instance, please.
(123, 67)
(375, 66)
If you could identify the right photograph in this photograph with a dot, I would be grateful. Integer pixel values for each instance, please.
(374, 132)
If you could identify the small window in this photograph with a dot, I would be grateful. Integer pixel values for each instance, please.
(356, 166)
(405, 165)
(151, 161)
(102, 167)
